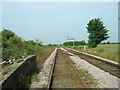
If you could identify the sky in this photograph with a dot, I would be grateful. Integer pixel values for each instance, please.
(52, 22)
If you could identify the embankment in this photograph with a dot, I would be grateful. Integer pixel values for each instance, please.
(21, 77)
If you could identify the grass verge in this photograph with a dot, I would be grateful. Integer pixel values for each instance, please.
(41, 56)
(108, 51)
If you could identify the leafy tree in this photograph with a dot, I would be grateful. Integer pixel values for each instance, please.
(55, 44)
(7, 33)
(49, 44)
(14, 42)
(97, 32)
(104, 43)
(38, 42)
(68, 43)
(108, 42)
(76, 43)
(13, 47)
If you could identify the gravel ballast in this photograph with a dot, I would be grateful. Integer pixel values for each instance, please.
(105, 80)
(43, 77)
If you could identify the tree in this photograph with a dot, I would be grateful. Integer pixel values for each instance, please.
(97, 32)
(7, 33)
(108, 42)
(76, 43)
(49, 44)
(14, 47)
(104, 42)
(38, 42)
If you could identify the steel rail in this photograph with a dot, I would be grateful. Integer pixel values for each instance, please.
(78, 53)
(51, 75)
(103, 68)
(77, 72)
(52, 71)
(95, 57)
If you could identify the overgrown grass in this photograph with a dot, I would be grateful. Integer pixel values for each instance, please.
(108, 51)
(26, 77)
(41, 56)
(88, 78)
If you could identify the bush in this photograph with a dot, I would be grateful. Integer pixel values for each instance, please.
(76, 43)
(15, 47)
(78, 47)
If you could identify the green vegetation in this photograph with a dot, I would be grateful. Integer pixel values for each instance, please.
(41, 56)
(88, 78)
(97, 32)
(24, 82)
(76, 47)
(76, 43)
(14, 47)
(108, 51)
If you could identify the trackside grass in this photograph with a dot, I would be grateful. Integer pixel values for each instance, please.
(41, 56)
(108, 51)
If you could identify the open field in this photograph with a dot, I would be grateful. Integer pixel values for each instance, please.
(108, 51)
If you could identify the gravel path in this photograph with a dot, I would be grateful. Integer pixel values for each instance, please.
(105, 79)
(43, 77)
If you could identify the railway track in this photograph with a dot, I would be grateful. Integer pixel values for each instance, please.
(64, 74)
(108, 66)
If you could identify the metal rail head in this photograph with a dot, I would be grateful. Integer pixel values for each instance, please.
(53, 66)
(96, 58)
(78, 74)
(84, 83)
(51, 75)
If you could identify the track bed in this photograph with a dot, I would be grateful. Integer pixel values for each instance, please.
(105, 65)
(64, 75)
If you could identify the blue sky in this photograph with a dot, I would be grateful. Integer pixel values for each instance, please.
(52, 22)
